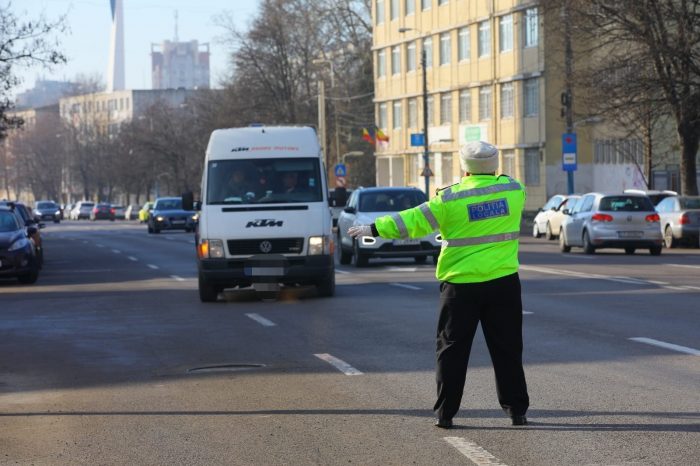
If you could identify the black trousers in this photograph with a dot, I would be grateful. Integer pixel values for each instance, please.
(498, 306)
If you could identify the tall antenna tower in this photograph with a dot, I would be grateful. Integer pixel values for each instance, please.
(115, 73)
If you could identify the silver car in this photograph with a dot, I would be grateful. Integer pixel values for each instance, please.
(626, 221)
(680, 220)
(550, 216)
(363, 208)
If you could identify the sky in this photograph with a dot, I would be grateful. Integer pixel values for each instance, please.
(145, 22)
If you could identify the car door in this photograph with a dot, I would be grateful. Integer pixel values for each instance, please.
(347, 219)
(574, 232)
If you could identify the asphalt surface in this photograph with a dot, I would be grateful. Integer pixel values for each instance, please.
(99, 362)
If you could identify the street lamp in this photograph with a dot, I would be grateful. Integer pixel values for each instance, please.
(426, 158)
(322, 110)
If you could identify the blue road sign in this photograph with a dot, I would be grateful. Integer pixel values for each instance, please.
(417, 139)
(340, 170)
(568, 149)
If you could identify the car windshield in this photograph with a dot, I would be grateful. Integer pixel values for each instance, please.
(46, 205)
(8, 222)
(264, 181)
(690, 202)
(390, 201)
(169, 204)
(626, 204)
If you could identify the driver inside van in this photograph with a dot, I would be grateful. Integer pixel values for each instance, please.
(238, 186)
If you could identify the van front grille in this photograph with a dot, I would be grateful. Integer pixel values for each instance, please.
(246, 247)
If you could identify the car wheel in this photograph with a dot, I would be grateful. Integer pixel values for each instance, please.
(208, 293)
(150, 230)
(326, 287)
(669, 240)
(655, 251)
(563, 247)
(587, 246)
(421, 259)
(535, 231)
(345, 257)
(630, 250)
(359, 259)
(30, 277)
(549, 236)
(156, 231)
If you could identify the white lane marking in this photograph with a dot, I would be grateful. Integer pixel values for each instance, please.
(677, 288)
(403, 285)
(527, 313)
(177, 278)
(342, 271)
(692, 287)
(261, 320)
(116, 251)
(572, 273)
(663, 344)
(154, 267)
(402, 269)
(474, 452)
(85, 242)
(100, 245)
(683, 265)
(658, 283)
(132, 258)
(339, 364)
(590, 258)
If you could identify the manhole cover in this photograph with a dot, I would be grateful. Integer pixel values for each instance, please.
(224, 368)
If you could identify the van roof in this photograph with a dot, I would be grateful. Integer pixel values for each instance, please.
(262, 142)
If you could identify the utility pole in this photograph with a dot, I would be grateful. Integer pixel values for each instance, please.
(322, 118)
(426, 156)
(568, 96)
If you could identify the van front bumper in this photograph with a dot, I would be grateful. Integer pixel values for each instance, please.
(269, 268)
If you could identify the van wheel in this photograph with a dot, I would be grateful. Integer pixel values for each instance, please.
(587, 246)
(361, 260)
(345, 257)
(563, 247)
(548, 235)
(30, 277)
(208, 293)
(326, 287)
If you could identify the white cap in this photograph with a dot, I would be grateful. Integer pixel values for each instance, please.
(478, 157)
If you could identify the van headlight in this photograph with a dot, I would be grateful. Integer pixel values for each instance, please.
(211, 248)
(320, 245)
(19, 244)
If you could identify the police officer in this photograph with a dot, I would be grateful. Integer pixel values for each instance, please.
(479, 220)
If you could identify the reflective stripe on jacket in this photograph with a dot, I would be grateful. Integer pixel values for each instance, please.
(479, 220)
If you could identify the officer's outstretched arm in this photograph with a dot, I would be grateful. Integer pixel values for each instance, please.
(411, 223)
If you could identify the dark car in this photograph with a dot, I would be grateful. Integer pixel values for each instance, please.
(47, 210)
(30, 225)
(18, 256)
(168, 214)
(101, 211)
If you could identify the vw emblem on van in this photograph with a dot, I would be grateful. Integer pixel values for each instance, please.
(265, 246)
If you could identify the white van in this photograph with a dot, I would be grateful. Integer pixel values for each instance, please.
(265, 218)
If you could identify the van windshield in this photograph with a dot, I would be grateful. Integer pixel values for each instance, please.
(264, 181)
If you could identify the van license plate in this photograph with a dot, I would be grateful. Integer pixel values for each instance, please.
(630, 234)
(406, 242)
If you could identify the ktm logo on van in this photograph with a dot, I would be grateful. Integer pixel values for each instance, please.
(265, 222)
(240, 149)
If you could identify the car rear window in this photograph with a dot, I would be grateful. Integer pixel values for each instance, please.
(690, 202)
(390, 201)
(626, 204)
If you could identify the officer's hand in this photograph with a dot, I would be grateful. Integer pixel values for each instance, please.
(360, 230)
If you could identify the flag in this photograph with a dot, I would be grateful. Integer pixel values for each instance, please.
(367, 136)
(381, 136)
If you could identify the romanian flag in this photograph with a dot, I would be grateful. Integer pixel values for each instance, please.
(367, 136)
(381, 136)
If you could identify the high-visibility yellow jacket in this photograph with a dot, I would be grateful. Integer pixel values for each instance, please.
(479, 221)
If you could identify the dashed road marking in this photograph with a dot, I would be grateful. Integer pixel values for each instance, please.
(154, 267)
(474, 452)
(658, 283)
(663, 344)
(177, 278)
(100, 245)
(116, 251)
(401, 269)
(339, 364)
(133, 259)
(261, 320)
(527, 313)
(345, 272)
(684, 265)
(403, 285)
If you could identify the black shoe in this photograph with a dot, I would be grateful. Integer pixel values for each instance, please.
(519, 420)
(444, 423)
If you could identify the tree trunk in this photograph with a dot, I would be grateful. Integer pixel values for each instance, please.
(690, 140)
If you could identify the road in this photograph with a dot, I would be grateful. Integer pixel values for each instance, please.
(108, 359)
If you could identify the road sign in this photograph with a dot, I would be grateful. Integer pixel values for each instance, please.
(568, 149)
(339, 181)
(417, 139)
(426, 172)
(340, 170)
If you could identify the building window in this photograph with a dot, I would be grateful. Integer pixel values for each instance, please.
(410, 7)
(411, 56)
(121, 104)
(380, 11)
(396, 115)
(507, 100)
(532, 167)
(505, 33)
(382, 116)
(465, 105)
(442, 2)
(394, 9)
(428, 49)
(484, 38)
(430, 111)
(508, 163)
(127, 103)
(445, 108)
(445, 48)
(532, 97)
(412, 113)
(463, 44)
(447, 163)
(531, 27)
(396, 60)
(485, 103)
(381, 64)
(425, 4)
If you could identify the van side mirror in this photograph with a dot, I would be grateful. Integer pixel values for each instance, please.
(350, 210)
(188, 201)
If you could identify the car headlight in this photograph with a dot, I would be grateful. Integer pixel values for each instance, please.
(211, 248)
(195, 217)
(160, 218)
(58, 212)
(19, 244)
(320, 245)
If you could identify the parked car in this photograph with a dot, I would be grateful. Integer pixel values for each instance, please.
(82, 210)
(47, 210)
(338, 199)
(680, 220)
(65, 210)
(364, 206)
(168, 214)
(31, 226)
(101, 211)
(627, 221)
(132, 212)
(18, 256)
(548, 219)
(145, 212)
(117, 212)
(654, 195)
